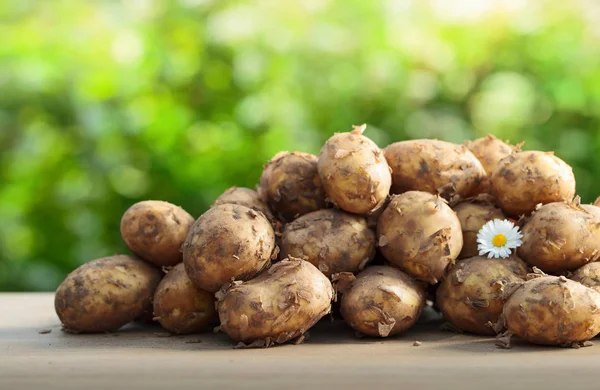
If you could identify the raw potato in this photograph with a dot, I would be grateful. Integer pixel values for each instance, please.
(382, 302)
(105, 294)
(244, 197)
(354, 172)
(227, 242)
(552, 310)
(489, 151)
(180, 307)
(472, 294)
(525, 179)
(154, 230)
(561, 236)
(279, 305)
(420, 233)
(332, 240)
(291, 186)
(434, 166)
(588, 275)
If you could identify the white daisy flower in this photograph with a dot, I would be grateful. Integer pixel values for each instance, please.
(497, 238)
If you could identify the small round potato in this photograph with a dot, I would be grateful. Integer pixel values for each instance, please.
(181, 307)
(382, 302)
(523, 180)
(354, 172)
(472, 294)
(227, 242)
(332, 240)
(154, 230)
(105, 294)
(420, 233)
(552, 310)
(434, 166)
(279, 305)
(244, 197)
(489, 151)
(588, 275)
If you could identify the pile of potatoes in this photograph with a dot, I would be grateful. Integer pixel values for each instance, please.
(265, 265)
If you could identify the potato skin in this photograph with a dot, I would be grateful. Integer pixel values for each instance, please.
(523, 180)
(382, 301)
(561, 236)
(291, 186)
(489, 151)
(354, 172)
(588, 275)
(332, 240)
(180, 307)
(420, 233)
(434, 166)
(552, 310)
(472, 294)
(227, 242)
(244, 197)
(154, 230)
(279, 305)
(105, 294)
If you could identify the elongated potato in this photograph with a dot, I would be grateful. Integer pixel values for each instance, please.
(489, 151)
(332, 240)
(382, 302)
(420, 233)
(277, 306)
(472, 294)
(105, 294)
(523, 180)
(154, 230)
(434, 166)
(588, 275)
(244, 197)
(354, 172)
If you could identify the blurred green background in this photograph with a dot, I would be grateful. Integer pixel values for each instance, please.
(104, 103)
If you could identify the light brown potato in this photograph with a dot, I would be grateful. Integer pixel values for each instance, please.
(588, 275)
(332, 240)
(552, 310)
(181, 307)
(291, 186)
(420, 233)
(489, 151)
(472, 294)
(434, 166)
(244, 197)
(354, 172)
(560, 237)
(279, 305)
(382, 302)
(154, 230)
(105, 294)
(525, 179)
(228, 242)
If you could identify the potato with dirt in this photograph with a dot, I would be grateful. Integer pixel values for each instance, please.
(332, 240)
(588, 275)
(228, 242)
(279, 305)
(382, 301)
(489, 151)
(419, 233)
(434, 166)
(354, 172)
(105, 294)
(244, 197)
(180, 307)
(154, 230)
(472, 294)
(523, 180)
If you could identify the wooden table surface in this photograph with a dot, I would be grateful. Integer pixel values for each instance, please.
(147, 358)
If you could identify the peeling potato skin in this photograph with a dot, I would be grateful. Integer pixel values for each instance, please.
(560, 237)
(105, 294)
(332, 240)
(472, 294)
(279, 305)
(489, 151)
(434, 166)
(154, 230)
(227, 242)
(180, 306)
(354, 172)
(382, 301)
(419, 233)
(244, 197)
(588, 275)
(291, 186)
(552, 310)
(523, 180)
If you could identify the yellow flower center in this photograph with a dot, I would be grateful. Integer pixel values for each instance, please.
(499, 240)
